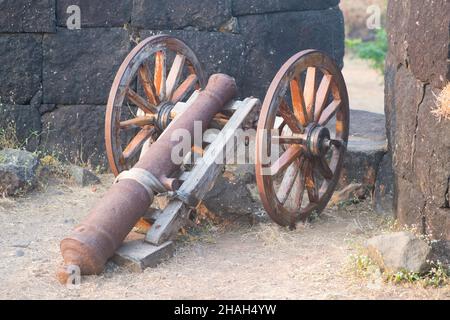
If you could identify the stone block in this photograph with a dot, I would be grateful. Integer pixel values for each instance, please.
(20, 68)
(174, 14)
(80, 65)
(111, 13)
(250, 7)
(271, 39)
(75, 134)
(27, 16)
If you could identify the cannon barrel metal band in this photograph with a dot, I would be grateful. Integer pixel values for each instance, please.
(144, 178)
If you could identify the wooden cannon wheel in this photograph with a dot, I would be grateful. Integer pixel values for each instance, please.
(143, 93)
(306, 114)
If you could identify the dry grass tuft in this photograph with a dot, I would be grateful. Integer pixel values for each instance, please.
(271, 235)
(8, 137)
(442, 110)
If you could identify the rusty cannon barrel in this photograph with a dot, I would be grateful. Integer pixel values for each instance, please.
(101, 233)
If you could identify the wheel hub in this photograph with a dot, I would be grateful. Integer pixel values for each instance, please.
(318, 140)
(163, 118)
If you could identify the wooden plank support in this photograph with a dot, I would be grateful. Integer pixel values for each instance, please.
(201, 178)
(137, 255)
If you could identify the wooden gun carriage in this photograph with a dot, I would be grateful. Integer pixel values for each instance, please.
(305, 114)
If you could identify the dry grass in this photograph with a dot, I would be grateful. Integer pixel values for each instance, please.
(270, 235)
(442, 110)
(262, 262)
(8, 137)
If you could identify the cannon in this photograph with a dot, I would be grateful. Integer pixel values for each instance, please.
(302, 130)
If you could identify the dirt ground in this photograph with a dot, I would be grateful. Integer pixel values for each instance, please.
(364, 84)
(236, 262)
(233, 262)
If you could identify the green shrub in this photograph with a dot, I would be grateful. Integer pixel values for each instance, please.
(373, 51)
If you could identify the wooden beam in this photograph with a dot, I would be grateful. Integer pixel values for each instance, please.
(201, 179)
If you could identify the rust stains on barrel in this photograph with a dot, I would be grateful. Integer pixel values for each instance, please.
(96, 239)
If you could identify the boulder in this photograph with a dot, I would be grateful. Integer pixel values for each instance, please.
(175, 14)
(249, 7)
(111, 13)
(17, 171)
(82, 177)
(399, 252)
(383, 194)
(76, 133)
(27, 16)
(25, 120)
(20, 67)
(82, 64)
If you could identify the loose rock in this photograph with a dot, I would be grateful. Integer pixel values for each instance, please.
(82, 176)
(17, 171)
(20, 253)
(350, 192)
(399, 251)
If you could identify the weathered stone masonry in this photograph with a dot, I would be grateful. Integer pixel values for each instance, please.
(54, 82)
(417, 70)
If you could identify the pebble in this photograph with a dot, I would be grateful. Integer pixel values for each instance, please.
(20, 253)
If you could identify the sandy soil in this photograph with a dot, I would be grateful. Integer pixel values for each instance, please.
(364, 84)
(236, 262)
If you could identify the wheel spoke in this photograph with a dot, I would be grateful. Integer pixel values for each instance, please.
(298, 101)
(286, 159)
(298, 190)
(140, 102)
(174, 75)
(322, 95)
(147, 84)
(160, 74)
(293, 139)
(310, 91)
(288, 181)
(329, 112)
(310, 183)
(136, 143)
(184, 88)
(289, 117)
(137, 122)
(324, 168)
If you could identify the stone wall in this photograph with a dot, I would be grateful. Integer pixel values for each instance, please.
(417, 70)
(54, 82)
